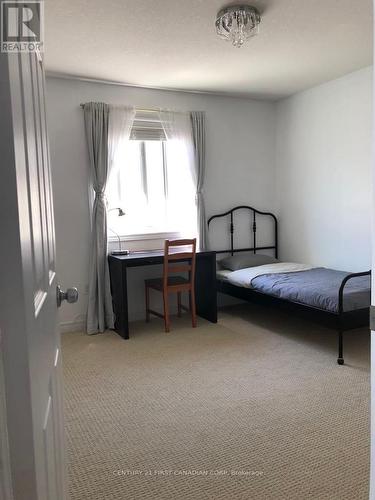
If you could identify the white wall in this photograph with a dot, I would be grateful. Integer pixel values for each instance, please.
(240, 168)
(323, 164)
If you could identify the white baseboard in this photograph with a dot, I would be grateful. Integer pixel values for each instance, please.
(72, 326)
(139, 315)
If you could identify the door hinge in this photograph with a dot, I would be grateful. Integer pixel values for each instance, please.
(372, 318)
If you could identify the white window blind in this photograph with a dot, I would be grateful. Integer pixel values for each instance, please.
(147, 127)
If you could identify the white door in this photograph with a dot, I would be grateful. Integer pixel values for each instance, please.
(30, 340)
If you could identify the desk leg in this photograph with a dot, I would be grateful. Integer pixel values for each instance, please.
(205, 287)
(119, 292)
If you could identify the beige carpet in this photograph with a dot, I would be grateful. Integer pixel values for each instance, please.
(254, 407)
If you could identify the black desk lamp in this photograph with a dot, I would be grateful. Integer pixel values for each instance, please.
(119, 251)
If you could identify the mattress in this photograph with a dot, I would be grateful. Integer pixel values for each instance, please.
(315, 287)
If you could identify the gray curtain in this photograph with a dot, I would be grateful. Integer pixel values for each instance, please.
(199, 139)
(99, 312)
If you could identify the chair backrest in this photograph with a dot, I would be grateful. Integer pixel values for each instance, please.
(180, 253)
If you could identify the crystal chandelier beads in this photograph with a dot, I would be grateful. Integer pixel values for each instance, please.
(238, 23)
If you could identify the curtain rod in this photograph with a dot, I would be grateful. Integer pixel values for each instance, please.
(137, 109)
(148, 110)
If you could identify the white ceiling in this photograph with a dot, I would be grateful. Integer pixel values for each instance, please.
(172, 44)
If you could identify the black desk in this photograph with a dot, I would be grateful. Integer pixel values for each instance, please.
(205, 284)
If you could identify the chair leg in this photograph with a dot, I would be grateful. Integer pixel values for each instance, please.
(193, 308)
(147, 294)
(179, 310)
(166, 311)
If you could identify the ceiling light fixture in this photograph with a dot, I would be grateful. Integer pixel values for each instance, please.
(238, 23)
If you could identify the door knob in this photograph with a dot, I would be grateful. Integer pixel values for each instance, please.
(71, 295)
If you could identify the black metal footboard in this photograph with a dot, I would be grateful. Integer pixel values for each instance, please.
(360, 314)
(339, 320)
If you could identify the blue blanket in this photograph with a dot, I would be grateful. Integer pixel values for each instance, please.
(318, 287)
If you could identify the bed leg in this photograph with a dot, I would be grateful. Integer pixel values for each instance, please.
(340, 359)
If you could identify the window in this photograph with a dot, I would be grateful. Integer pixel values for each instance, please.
(153, 185)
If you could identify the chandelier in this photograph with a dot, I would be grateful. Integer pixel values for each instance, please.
(238, 23)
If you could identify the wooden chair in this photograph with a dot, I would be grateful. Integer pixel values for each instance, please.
(182, 262)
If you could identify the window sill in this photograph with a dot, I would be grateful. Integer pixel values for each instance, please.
(145, 236)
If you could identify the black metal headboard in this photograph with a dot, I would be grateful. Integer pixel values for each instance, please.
(253, 228)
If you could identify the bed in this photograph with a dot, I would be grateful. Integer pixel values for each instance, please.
(338, 299)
